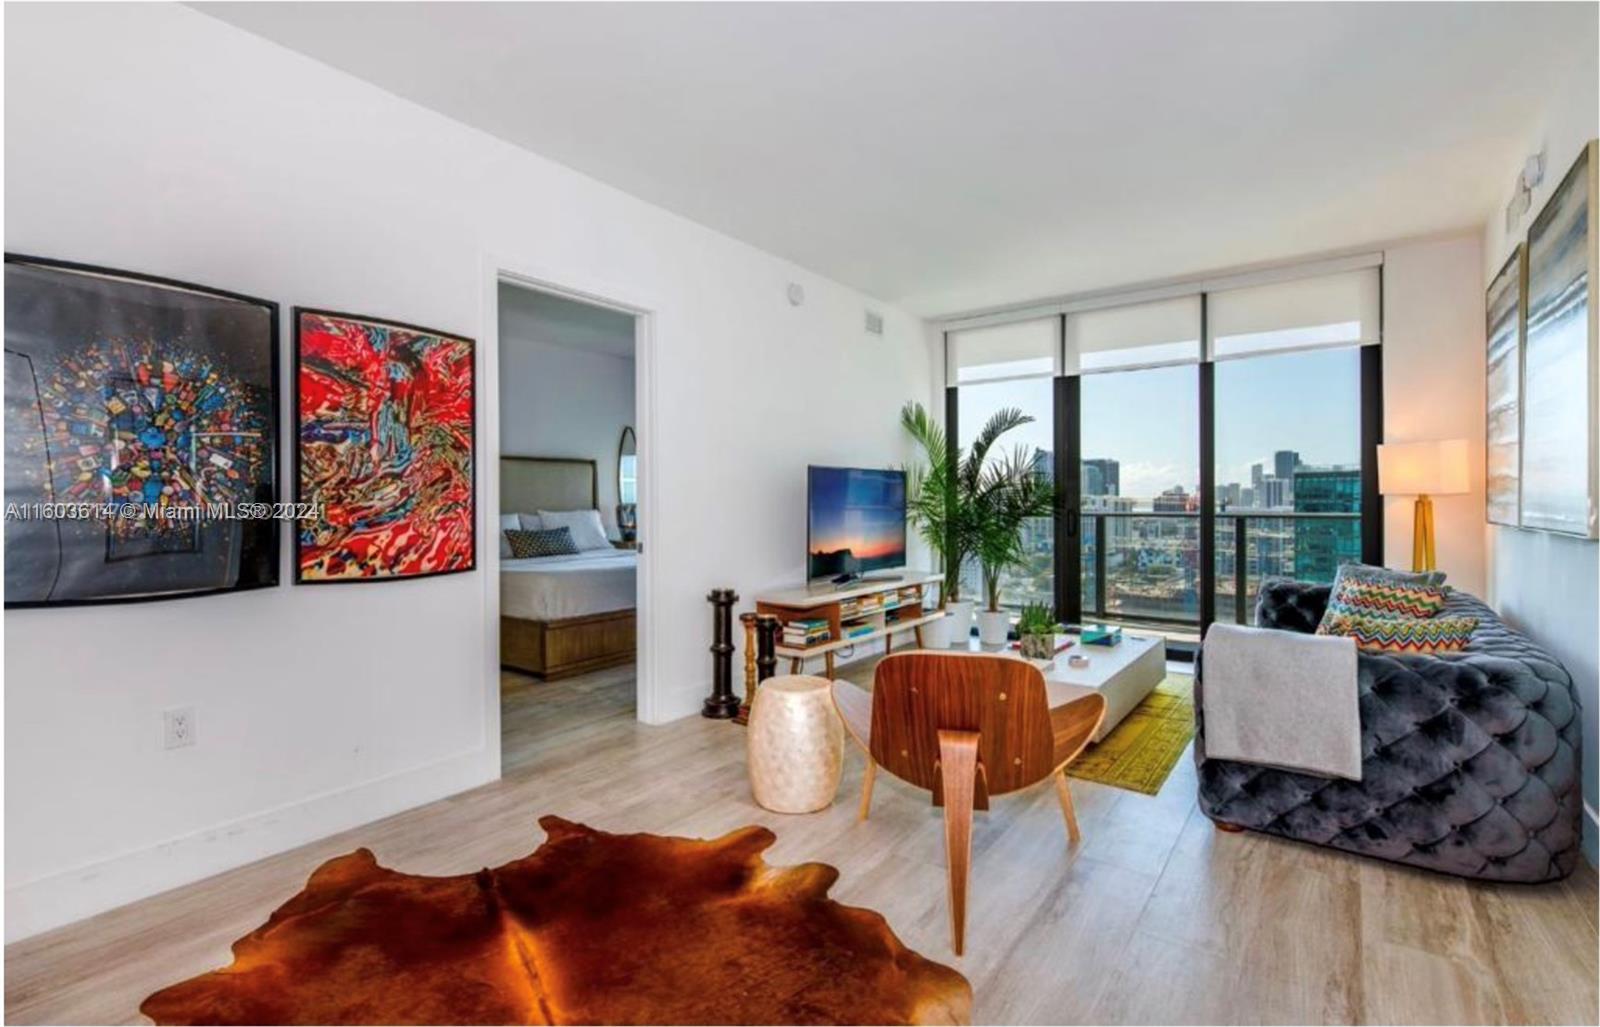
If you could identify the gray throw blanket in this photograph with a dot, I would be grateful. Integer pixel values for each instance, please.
(1282, 699)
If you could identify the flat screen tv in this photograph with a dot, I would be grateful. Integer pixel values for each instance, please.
(855, 521)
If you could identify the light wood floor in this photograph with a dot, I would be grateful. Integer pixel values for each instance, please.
(1154, 918)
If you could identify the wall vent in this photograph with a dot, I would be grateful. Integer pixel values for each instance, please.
(874, 322)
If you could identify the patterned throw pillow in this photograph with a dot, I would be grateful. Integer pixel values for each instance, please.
(1368, 570)
(1401, 634)
(1361, 594)
(554, 542)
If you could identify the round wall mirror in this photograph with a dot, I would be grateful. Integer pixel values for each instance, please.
(627, 485)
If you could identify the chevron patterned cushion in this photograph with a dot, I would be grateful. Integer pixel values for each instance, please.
(1369, 595)
(1401, 634)
(551, 542)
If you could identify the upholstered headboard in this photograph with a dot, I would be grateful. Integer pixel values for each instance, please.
(532, 483)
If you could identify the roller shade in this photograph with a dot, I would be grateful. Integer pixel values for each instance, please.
(1147, 334)
(1302, 313)
(1024, 349)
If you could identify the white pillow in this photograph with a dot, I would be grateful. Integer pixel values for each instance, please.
(587, 531)
(531, 522)
(508, 522)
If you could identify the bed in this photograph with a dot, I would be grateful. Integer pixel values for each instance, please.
(562, 615)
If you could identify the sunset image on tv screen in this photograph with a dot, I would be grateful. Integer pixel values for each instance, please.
(857, 520)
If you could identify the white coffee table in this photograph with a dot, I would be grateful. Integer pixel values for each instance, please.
(1124, 673)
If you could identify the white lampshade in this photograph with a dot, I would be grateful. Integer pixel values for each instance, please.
(1436, 468)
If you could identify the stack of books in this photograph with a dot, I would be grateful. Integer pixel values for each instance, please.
(857, 630)
(805, 633)
(1100, 634)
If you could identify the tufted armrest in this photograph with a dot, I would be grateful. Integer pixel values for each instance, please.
(1291, 605)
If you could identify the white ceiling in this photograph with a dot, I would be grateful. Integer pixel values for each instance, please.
(558, 321)
(947, 157)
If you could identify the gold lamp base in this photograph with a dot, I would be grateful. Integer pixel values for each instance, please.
(1422, 555)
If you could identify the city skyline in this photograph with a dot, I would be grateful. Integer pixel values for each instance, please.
(1147, 420)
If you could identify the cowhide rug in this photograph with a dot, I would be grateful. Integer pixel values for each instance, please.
(591, 928)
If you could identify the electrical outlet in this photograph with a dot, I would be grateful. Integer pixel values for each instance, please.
(179, 726)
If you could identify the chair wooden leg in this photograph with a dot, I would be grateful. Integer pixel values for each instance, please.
(827, 659)
(958, 765)
(1068, 813)
(866, 787)
(795, 663)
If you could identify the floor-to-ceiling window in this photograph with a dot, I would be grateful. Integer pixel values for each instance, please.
(1140, 494)
(1288, 471)
(1288, 446)
(1011, 367)
(1209, 439)
(1139, 468)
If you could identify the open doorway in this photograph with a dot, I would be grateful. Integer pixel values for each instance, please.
(568, 514)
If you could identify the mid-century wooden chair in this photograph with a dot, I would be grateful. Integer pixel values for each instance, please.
(965, 726)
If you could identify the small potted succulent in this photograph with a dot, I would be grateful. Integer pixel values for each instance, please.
(1037, 627)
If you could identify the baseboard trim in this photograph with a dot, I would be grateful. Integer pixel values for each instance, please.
(56, 900)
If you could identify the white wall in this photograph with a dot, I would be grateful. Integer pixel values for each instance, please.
(156, 139)
(1433, 388)
(1549, 585)
(559, 400)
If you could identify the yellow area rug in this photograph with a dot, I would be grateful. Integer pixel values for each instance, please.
(1142, 750)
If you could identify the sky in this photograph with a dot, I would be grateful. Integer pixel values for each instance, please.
(1147, 420)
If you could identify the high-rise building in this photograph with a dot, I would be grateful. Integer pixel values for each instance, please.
(1093, 480)
(1256, 474)
(1174, 500)
(1247, 497)
(1274, 494)
(1104, 474)
(1228, 495)
(1284, 461)
(1044, 464)
(1320, 546)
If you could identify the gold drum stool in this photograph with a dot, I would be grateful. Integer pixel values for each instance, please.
(795, 745)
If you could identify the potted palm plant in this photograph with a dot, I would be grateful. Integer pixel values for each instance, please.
(956, 505)
(933, 506)
(1009, 492)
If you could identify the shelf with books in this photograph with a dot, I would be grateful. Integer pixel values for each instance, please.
(856, 614)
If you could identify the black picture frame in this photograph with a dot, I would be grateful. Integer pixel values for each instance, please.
(272, 559)
(297, 315)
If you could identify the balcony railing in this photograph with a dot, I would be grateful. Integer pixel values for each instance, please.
(1145, 565)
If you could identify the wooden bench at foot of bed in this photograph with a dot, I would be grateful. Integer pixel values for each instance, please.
(559, 648)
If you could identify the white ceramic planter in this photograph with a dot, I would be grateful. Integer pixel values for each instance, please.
(993, 627)
(936, 634)
(959, 617)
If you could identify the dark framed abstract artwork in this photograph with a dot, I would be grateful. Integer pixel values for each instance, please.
(1503, 383)
(1559, 364)
(384, 461)
(141, 447)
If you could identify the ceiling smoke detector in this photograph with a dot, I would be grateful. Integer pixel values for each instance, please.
(874, 322)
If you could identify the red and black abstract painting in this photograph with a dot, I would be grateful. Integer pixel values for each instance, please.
(384, 460)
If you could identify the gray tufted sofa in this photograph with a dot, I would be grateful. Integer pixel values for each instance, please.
(1469, 760)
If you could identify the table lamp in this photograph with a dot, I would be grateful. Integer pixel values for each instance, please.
(1424, 470)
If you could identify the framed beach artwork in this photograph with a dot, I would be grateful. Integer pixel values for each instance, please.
(385, 418)
(1559, 487)
(1504, 380)
(141, 422)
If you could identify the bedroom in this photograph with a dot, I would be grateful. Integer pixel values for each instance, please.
(568, 528)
